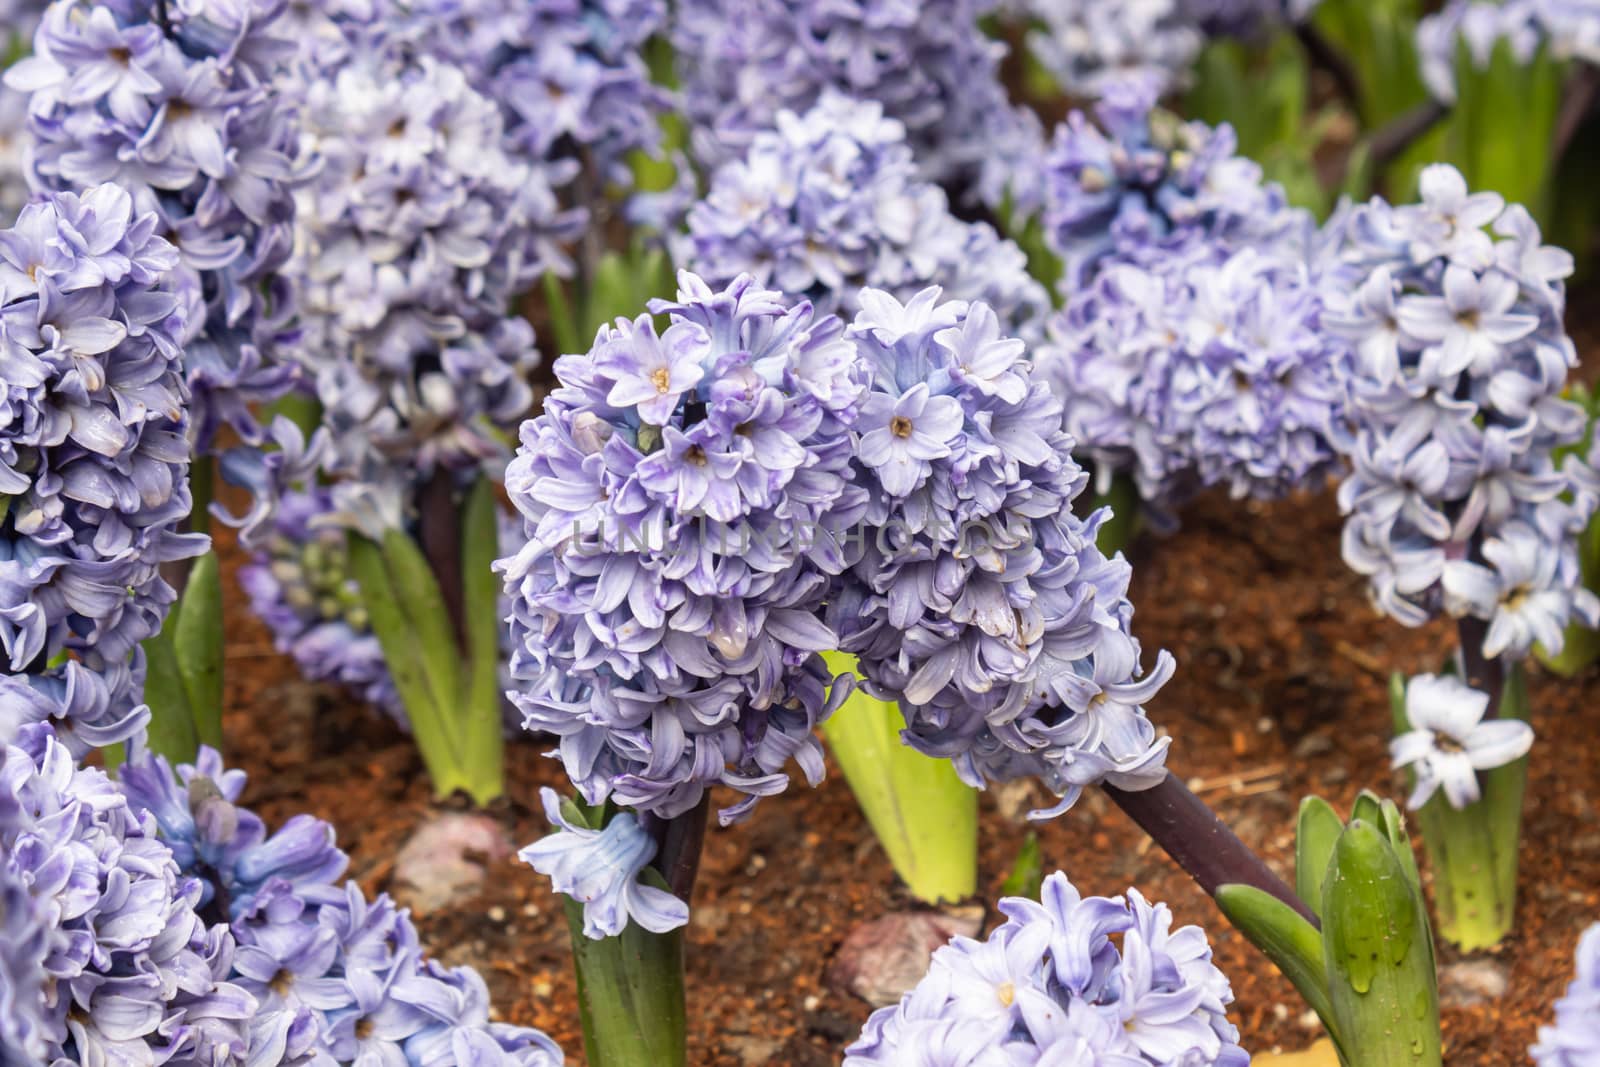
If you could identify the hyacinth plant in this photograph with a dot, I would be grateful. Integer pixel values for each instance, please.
(1451, 310)
(679, 496)
(93, 463)
(824, 205)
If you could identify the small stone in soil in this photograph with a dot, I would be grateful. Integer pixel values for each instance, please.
(881, 960)
(446, 860)
(1472, 982)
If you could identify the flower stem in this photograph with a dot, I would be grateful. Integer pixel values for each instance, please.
(1483, 673)
(439, 530)
(1200, 842)
(678, 844)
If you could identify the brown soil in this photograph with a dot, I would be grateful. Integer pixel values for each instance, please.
(1280, 693)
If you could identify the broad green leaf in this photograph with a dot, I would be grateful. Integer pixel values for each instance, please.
(1318, 828)
(404, 654)
(1290, 942)
(483, 749)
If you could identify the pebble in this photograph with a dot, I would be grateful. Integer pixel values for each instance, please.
(1472, 982)
(446, 860)
(881, 960)
(497, 914)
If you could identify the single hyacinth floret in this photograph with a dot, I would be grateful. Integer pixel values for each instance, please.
(680, 494)
(1451, 315)
(175, 103)
(133, 973)
(338, 978)
(93, 461)
(1067, 979)
(830, 202)
(975, 597)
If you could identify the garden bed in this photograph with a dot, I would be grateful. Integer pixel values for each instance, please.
(1280, 692)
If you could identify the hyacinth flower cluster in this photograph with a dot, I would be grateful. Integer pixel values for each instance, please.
(680, 496)
(975, 597)
(1066, 979)
(133, 973)
(93, 460)
(25, 938)
(569, 75)
(1574, 1039)
(830, 202)
(177, 107)
(1191, 353)
(416, 233)
(929, 65)
(1135, 183)
(334, 978)
(1451, 310)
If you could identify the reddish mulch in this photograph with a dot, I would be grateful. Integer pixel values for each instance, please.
(1280, 685)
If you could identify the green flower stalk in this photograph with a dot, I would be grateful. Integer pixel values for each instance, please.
(1468, 777)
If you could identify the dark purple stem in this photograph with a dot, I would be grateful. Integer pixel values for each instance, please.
(1200, 842)
(1402, 131)
(1582, 88)
(679, 841)
(1483, 673)
(1326, 56)
(440, 533)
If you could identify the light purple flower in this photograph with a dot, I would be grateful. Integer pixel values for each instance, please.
(1050, 987)
(1450, 313)
(681, 535)
(1449, 742)
(830, 201)
(601, 869)
(133, 974)
(336, 978)
(930, 65)
(976, 599)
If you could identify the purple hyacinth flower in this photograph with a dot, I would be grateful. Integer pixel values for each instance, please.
(1156, 999)
(601, 870)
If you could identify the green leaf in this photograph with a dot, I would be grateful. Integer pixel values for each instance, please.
(630, 993)
(1318, 827)
(562, 321)
(1027, 871)
(417, 590)
(1290, 942)
(171, 730)
(483, 748)
(403, 653)
(924, 815)
(1379, 954)
(197, 640)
